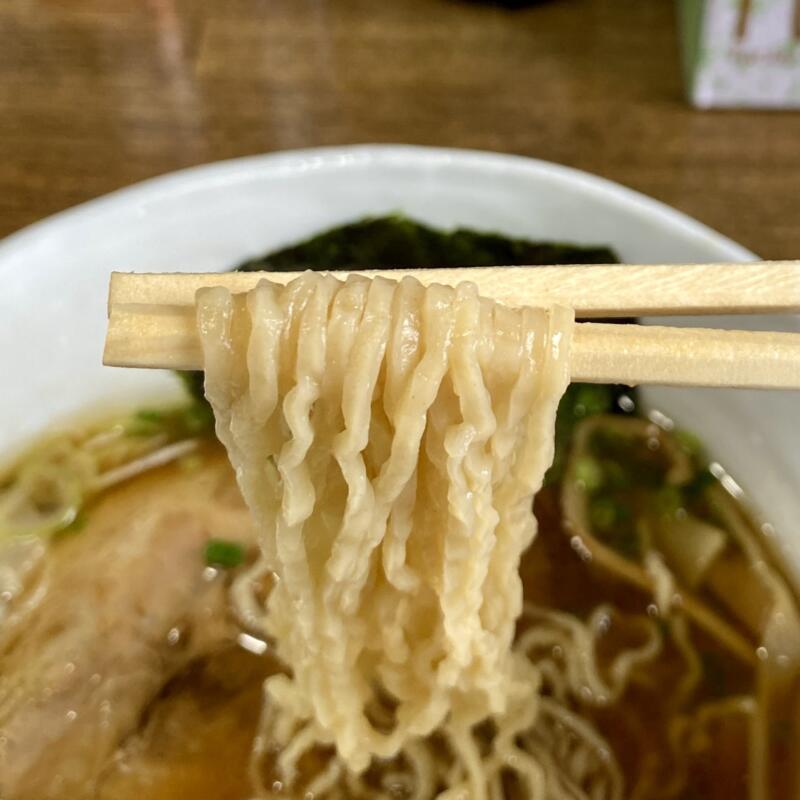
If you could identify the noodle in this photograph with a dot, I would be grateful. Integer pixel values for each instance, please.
(389, 440)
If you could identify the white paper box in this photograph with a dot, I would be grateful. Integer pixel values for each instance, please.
(742, 53)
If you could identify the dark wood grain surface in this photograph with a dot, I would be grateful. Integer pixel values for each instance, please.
(96, 94)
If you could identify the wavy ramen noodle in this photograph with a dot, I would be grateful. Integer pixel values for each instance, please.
(389, 439)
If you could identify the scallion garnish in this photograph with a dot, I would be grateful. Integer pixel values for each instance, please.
(224, 553)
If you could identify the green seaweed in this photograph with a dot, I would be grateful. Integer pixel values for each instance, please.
(397, 242)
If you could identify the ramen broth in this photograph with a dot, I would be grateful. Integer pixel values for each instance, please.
(192, 731)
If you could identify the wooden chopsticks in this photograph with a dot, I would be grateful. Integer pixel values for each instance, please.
(152, 322)
(617, 290)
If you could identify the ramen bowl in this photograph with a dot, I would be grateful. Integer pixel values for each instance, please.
(209, 218)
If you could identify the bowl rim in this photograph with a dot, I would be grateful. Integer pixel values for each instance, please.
(259, 166)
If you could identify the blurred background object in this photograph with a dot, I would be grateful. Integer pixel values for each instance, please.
(742, 53)
(97, 94)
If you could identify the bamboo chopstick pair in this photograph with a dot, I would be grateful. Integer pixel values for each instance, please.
(151, 321)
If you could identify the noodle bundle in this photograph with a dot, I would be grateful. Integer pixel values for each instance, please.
(389, 439)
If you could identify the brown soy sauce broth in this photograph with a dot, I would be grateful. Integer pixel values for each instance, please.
(636, 727)
(195, 737)
(724, 761)
(213, 743)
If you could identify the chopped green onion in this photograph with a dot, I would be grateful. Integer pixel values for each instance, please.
(668, 499)
(604, 512)
(78, 523)
(590, 399)
(145, 422)
(177, 423)
(589, 473)
(224, 553)
(149, 415)
(700, 482)
(615, 475)
(198, 418)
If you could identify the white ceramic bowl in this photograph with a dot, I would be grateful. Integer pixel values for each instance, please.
(55, 276)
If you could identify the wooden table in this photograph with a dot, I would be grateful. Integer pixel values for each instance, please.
(96, 94)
